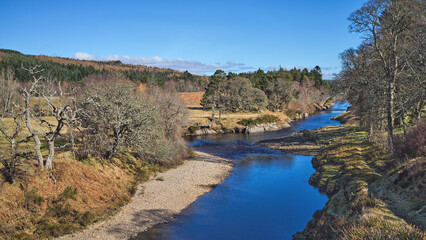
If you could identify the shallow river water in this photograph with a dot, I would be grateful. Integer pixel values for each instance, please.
(267, 195)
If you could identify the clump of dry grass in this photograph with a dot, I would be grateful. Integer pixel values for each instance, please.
(380, 228)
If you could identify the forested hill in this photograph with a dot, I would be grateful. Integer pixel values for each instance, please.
(73, 70)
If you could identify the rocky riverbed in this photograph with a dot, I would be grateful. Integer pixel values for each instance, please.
(161, 198)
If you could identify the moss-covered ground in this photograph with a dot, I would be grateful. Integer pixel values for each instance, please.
(371, 194)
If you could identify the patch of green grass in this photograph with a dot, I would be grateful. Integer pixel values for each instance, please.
(85, 218)
(33, 200)
(193, 154)
(88, 161)
(193, 128)
(289, 112)
(132, 189)
(141, 174)
(49, 229)
(69, 193)
(267, 118)
(60, 210)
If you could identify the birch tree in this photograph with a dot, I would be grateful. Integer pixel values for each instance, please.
(63, 107)
(12, 157)
(8, 90)
(387, 27)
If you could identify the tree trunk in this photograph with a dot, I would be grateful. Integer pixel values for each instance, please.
(390, 114)
(36, 139)
(370, 131)
(70, 129)
(403, 125)
(419, 111)
(220, 115)
(213, 109)
(114, 148)
(49, 160)
(12, 166)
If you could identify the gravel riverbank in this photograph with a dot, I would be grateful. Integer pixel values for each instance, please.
(161, 198)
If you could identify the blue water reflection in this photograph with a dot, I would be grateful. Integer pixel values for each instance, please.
(267, 195)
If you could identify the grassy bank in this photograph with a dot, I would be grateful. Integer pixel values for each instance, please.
(234, 122)
(371, 195)
(70, 197)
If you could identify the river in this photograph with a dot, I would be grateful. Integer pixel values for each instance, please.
(267, 196)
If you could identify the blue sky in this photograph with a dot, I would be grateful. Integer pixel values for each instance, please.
(198, 36)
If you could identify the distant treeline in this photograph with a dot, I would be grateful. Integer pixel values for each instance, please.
(17, 61)
(260, 79)
(182, 82)
(77, 72)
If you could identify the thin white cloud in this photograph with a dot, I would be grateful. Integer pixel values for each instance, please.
(329, 76)
(178, 64)
(329, 68)
(286, 67)
(247, 68)
(84, 56)
(192, 66)
(232, 63)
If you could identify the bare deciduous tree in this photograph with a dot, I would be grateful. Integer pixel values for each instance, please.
(11, 157)
(8, 90)
(117, 117)
(173, 115)
(387, 25)
(28, 94)
(64, 109)
(171, 108)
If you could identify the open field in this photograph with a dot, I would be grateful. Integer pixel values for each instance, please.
(191, 99)
(229, 120)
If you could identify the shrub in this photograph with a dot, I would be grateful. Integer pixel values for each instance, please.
(193, 128)
(267, 118)
(33, 200)
(68, 193)
(49, 229)
(306, 133)
(60, 210)
(289, 112)
(364, 202)
(85, 218)
(118, 117)
(414, 143)
(132, 189)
